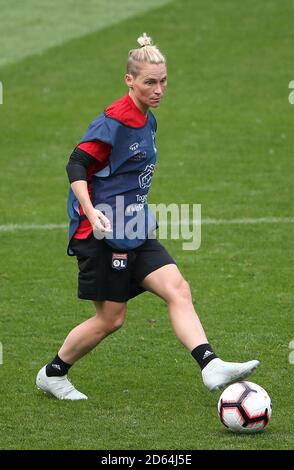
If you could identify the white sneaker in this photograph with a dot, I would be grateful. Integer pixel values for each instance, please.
(218, 374)
(59, 387)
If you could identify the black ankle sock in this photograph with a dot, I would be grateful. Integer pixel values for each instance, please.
(57, 367)
(203, 354)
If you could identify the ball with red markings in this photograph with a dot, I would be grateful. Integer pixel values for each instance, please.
(244, 407)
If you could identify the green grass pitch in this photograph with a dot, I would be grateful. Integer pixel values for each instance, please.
(225, 139)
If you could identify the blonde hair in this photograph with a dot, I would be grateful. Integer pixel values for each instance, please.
(147, 52)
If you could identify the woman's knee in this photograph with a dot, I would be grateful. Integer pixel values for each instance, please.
(112, 314)
(118, 318)
(180, 291)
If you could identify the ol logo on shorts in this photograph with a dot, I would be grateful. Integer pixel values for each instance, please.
(119, 260)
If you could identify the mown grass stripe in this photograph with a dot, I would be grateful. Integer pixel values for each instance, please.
(26, 29)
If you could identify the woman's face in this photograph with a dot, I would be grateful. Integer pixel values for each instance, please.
(148, 87)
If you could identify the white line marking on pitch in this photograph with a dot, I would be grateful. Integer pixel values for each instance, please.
(261, 220)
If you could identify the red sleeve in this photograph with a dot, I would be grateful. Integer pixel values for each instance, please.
(97, 149)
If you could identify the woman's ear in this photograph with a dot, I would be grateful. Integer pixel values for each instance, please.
(129, 80)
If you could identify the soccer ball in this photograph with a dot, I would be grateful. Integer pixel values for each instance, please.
(244, 407)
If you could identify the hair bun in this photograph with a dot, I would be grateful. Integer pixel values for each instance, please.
(144, 40)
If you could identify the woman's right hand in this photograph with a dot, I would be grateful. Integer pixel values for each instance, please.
(100, 223)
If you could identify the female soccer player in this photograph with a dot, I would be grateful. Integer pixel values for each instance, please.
(112, 231)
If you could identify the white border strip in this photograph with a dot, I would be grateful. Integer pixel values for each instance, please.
(261, 220)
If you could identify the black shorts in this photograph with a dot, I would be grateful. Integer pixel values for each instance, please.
(109, 274)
